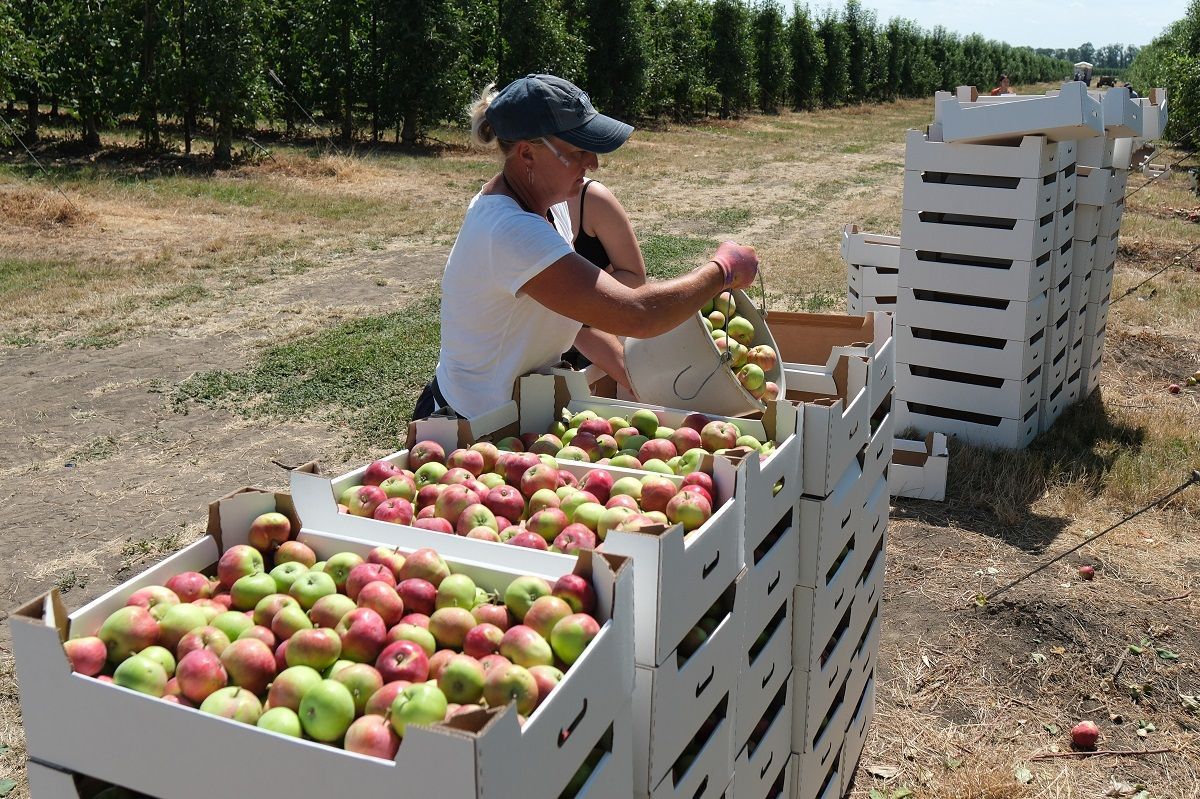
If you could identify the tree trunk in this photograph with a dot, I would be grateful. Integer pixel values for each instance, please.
(54, 108)
(31, 117)
(90, 117)
(149, 111)
(189, 111)
(10, 106)
(374, 45)
(223, 140)
(347, 82)
(409, 134)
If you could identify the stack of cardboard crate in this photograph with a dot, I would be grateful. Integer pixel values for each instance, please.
(839, 370)
(872, 264)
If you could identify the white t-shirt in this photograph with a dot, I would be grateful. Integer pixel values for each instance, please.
(491, 333)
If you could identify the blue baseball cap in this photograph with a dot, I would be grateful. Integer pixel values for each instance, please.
(547, 105)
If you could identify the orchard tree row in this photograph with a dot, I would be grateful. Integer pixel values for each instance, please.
(1109, 56)
(1172, 61)
(396, 67)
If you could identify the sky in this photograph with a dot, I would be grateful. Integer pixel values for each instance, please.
(1036, 23)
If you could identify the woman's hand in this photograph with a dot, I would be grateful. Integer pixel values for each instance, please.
(739, 264)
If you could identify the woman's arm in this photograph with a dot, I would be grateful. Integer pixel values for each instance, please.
(573, 287)
(606, 351)
(611, 225)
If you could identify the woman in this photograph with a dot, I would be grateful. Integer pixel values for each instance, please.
(603, 235)
(515, 295)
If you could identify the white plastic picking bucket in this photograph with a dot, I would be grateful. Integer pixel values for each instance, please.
(682, 368)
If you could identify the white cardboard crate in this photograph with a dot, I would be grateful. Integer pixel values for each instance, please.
(860, 725)
(857, 305)
(1031, 157)
(809, 783)
(1099, 151)
(982, 236)
(1110, 218)
(986, 277)
(1100, 285)
(1099, 186)
(1074, 387)
(1075, 357)
(1068, 150)
(1081, 287)
(995, 396)
(869, 249)
(1067, 187)
(106, 717)
(872, 281)
(1089, 378)
(827, 525)
(1083, 254)
(1059, 300)
(1064, 261)
(1055, 373)
(814, 343)
(709, 775)
(1154, 114)
(877, 455)
(1064, 224)
(836, 421)
(1122, 114)
(998, 357)
(672, 701)
(1012, 320)
(919, 468)
(976, 429)
(981, 195)
(1069, 114)
(1096, 320)
(758, 764)
(822, 737)
(1087, 222)
(1052, 406)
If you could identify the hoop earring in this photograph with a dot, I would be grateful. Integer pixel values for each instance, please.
(529, 175)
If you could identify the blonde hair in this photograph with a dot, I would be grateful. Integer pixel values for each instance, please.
(482, 134)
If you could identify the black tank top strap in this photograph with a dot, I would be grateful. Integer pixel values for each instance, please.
(590, 247)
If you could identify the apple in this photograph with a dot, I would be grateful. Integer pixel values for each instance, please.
(238, 561)
(427, 495)
(456, 591)
(291, 685)
(657, 449)
(380, 702)
(424, 452)
(522, 592)
(363, 500)
(543, 614)
(482, 640)
(741, 330)
(396, 510)
(538, 477)
(612, 517)
(86, 655)
(285, 574)
(419, 595)
(763, 356)
(154, 598)
(425, 564)
(262, 633)
(249, 590)
(326, 711)
(1085, 734)
(546, 444)
(268, 531)
(577, 592)
(456, 476)
(488, 454)
(689, 509)
(363, 680)
(250, 664)
(416, 619)
(492, 661)
(365, 573)
(529, 540)
(403, 660)
(701, 479)
(596, 427)
(546, 677)
(179, 620)
(450, 626)
(571, 636)
(695, 421)
(645, 420)
(719, 435)
(573, 538)
(233, 702)
(475, 515)
(573, 453)
(142, 674)
(418, 635)
(548, 523)
(199, 674)
(319, 648)
(268, 606)
(295, 551)
(517, 464)
(221, 599)
(483, 534)
(288, 621)
(488, 613)
(208, 638)
(362, 633)
(770, 391)
(588, 514)
(598, 483)
(657, 492)
(378, 471)
(282, 720)
(190, 586)
(420, 703)
(461, 680)
(684, 438)
(328, 609)
(312, 586)
(435, 525)
(510, 444)
(525, 647)
(511, 683)
(438, 662)
(372, 735)
(505, 501)
(339, 567)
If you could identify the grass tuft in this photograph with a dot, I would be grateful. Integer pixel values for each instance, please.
(669, 256)
(363, 375)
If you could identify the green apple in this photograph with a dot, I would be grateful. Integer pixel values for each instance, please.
(421, 703)
(664, 433)
(326, 711)
(162, 656)
(234, 703)
(628, 486)
(143, 674)
(646, 422)
(311, 586)
(282, 720)
(588, 514)
(656, 465)
(456, 591)
(233, 623)
(338, 567)
(287, 573)
(248, 590)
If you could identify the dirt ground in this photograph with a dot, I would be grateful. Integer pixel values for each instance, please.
(100, 474)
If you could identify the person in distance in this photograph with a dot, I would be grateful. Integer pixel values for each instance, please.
(515, 295)
(1002, 88)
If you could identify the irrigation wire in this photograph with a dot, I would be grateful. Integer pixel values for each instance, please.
(1178, 260)
(1168, 169)
(45, 171)
(1193, 479)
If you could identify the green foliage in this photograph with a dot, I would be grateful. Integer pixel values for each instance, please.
(616, 59)
(18, 53)
(228, 65)
(835, 82)
(808, 61)
(773, 56)
(425, 73)
(534, 38)
(677, 79)
(731, 61)
(1172, 62)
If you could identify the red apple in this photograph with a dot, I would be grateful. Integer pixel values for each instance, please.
(546, 677)
(577, 592)
(250, 664)
(622, 501)
(199, 674)
(382, 598)
(525, 647)
(698, 491)
(484, 534)
(659, 448)
(482, 640)
(262, 633)
(544, 613)
(268, 531)
(529, 540)
(685, 438)
(424, 452)
(701, 479)
(425, 564)
(1085, 734)
(489, 452)
(128, 631)
(387, 556)
(419, 595)
(372, 735)
(435, 525)
(363, 633)
(488, 613)
(428, 495)
(190, 586)
(319, 648)
(295, 551)
(365, 573)
(394, 511)
(453, 500)
(657, 491)
(379, 471)
(86, 655)
(548, 523)
(505, 501)
(476, 515)
(493, 661)
(538, 477)
(237, 562)
(695, 421)
(517, 464)
(719, 435)
(688, 509)
(573, 538)
(456, 476)
(363, 500)
(380, 702)
(206, 637)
